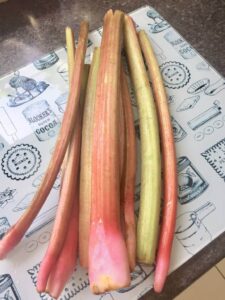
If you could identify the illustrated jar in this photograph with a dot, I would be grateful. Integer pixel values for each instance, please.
(180, 45)
(190, 229)
(7, 288)
(42, 119)
(190, 183)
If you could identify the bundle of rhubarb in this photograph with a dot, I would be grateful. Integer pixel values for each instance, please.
(96, 151)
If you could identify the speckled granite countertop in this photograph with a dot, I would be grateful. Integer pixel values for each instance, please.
(29, 29)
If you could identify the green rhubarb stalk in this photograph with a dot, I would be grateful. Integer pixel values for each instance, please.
(70, 46)
(86, 161)
(148, 219)
(170, 185)
(108, 260)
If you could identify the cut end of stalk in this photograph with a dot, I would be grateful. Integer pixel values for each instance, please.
(108, 263)
(161, 272)
(105, 284)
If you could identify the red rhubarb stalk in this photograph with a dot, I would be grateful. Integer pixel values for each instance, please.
(169, 166)
(129, 177)
(17, 231)
(86, 161)
(67, 192)
(108, 261)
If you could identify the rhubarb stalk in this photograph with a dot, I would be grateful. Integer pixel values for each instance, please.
(17, 231)
(129, 176)
(86, 161)
(67, 196)
(66, 262)
(148, 218)
(169, 166)
(70, 46)
(108, 259)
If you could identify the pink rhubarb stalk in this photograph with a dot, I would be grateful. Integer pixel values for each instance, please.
(108, 261)
(17, 231)
(169, 166)
(67, 192)
(66, 262)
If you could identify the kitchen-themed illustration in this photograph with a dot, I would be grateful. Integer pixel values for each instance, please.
(191, 184)
(8, 290)
(24, 89)
(30, 119)
(190, 229)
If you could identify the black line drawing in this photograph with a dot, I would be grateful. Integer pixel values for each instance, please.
(175, 74)
(43, 219)
(43, 238)
(7, 124)
(137, 277)
(208, 130)
(188, 103)
(21, 161)
(199, 136)
(215, 87)
(26, 89)
(178, 131)
(46, 61)
(8, 290)
(4, 226)
(171, 99)
(205, 116)
(77, 283)
(56, 185)
(202, 66)
(190, 229)
(42, 119)
(61, 102)
(198, 86)
(191, 184)
(63, 71)
(180, 45)
(7, 196)
(31, 246)
(2, 146)
(215, 156)
(24, 203)
(218, 123)
(157, 23)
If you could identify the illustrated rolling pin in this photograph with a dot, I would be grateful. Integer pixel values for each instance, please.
(190, 230)
(205, 116)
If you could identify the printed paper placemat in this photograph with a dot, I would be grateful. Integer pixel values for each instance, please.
(32, 104)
